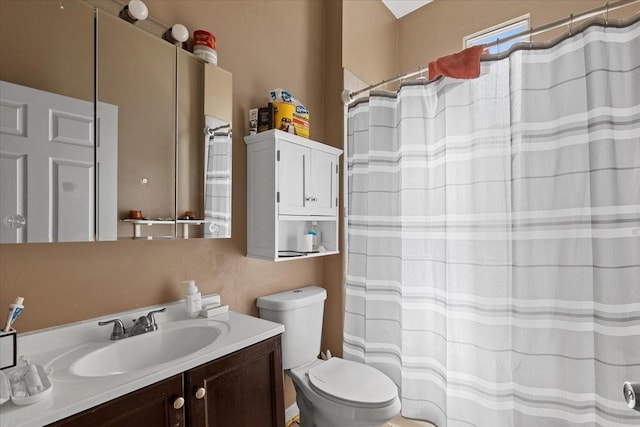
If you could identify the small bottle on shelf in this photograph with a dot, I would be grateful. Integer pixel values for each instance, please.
(314, 230)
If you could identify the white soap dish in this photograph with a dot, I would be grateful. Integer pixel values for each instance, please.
(214, 310)
(26, 385)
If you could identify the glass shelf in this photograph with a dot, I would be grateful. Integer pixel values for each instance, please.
(185, 223)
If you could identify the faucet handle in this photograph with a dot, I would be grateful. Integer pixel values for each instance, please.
(118, 328)
(152, 319)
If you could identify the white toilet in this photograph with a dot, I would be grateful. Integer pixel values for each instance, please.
(329, 393)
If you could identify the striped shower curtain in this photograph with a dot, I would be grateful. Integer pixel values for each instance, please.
(494, 237)
(217, 189)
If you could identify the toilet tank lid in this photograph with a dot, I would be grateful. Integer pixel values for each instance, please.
(295, 298)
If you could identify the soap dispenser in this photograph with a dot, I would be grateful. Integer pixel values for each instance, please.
(192, 298)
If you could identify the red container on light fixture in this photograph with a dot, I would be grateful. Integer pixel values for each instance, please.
(204, 38)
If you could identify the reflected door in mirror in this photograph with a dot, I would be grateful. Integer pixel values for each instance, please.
(46, 165)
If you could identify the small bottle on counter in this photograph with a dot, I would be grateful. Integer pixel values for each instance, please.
(192, 298)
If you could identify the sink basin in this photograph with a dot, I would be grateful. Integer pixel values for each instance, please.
(145, 351)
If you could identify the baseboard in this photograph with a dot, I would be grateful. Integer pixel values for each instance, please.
(290, 413)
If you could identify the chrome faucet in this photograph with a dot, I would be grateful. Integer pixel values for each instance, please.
(141, 325)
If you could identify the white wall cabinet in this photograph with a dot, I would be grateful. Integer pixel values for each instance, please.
(291, 182)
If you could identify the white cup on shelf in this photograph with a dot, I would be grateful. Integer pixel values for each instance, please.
(305, 243)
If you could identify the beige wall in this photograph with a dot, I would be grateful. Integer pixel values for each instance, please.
(334, 114)
(438, 28)
(369, 40)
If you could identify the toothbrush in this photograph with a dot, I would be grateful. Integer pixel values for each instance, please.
(14, 311)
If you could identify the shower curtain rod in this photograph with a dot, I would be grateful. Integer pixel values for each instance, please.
(348, 96)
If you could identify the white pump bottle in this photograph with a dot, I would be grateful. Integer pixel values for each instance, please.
(193, 298)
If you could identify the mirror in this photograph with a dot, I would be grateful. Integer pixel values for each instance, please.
(150, 147)
(143, 95)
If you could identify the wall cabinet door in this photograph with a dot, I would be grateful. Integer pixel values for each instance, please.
(307, 180)
(155, 405)
(244, 388)
(323, 187)
(293, 178)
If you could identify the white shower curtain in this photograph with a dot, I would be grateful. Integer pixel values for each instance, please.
(494, 237)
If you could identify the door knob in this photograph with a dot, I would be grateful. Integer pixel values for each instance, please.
(178, 403)
(200, 393)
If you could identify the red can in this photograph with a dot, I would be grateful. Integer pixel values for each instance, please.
(204, 38)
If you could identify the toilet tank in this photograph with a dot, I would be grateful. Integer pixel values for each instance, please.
(300, 311)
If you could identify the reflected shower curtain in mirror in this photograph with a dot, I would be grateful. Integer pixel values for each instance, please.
(494, 237)
(217, 184)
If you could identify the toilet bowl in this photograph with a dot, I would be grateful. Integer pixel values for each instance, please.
(341, 393)
(331, 393)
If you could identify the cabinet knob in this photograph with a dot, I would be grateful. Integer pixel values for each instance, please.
(200, 393)
(308, 199)
(178, 403)
(314, 199)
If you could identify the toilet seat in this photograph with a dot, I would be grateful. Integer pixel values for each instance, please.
(328, 410)
(351, 383)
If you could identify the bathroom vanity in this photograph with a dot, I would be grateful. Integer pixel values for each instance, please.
(223, 370)
(238, 389)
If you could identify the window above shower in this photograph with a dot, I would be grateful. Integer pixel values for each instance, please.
(500, 32)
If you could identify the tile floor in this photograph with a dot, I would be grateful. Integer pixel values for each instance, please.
(396, 422)
(406, 422)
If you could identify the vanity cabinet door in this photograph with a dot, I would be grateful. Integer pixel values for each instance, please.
(154, 405)
(244, 388)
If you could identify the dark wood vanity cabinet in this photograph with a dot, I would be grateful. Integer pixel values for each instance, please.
(244, 388)
(150, 406)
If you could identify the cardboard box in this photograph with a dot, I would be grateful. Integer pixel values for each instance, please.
(253, 121)
(291, 118)
(265, 118)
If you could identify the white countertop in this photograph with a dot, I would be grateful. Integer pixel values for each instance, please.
(72, 394)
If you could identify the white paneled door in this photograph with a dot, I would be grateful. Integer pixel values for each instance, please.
(47, 191)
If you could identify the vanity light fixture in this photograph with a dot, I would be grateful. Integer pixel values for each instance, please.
(177, 34)
(136, 10)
